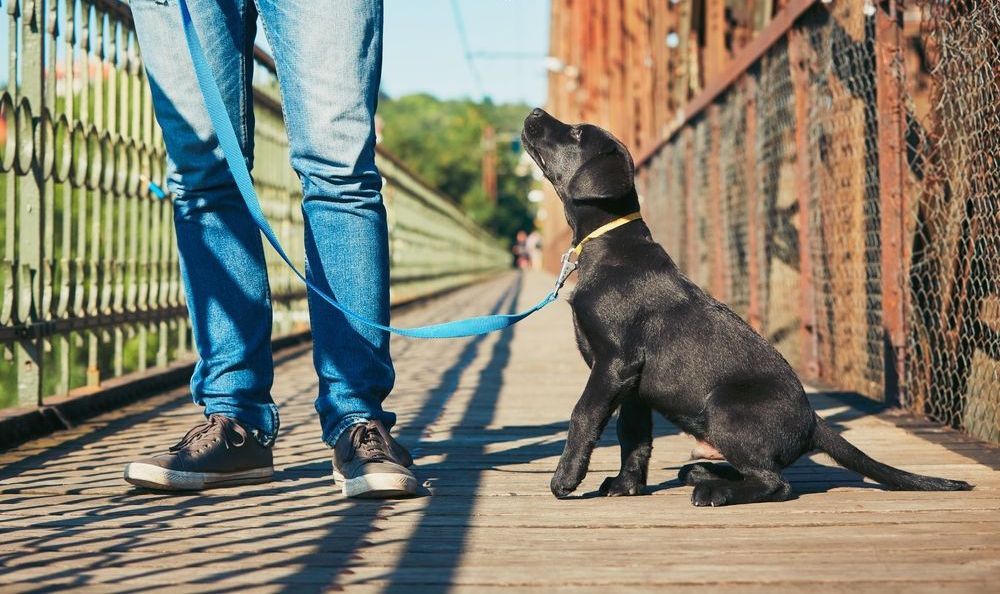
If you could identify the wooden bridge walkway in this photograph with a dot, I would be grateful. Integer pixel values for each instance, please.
(486, 419)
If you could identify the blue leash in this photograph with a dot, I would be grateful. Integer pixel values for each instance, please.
(238, 167)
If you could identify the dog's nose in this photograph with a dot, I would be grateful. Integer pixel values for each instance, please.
(537, 112)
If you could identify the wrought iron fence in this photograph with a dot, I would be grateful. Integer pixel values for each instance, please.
(842, 191)
(89, 269)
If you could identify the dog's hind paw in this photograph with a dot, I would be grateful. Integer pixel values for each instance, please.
(707, 494)
(618, 486)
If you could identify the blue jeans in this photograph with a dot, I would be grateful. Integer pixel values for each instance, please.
(329, 58)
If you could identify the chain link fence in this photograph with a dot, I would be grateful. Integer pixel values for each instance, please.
(777, 213)
(842, 193)
(953, 157)
(837, 53)
(735, 180)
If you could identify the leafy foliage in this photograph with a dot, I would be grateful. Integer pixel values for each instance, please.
(441, 140)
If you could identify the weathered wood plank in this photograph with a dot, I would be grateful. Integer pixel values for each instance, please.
(486, 420)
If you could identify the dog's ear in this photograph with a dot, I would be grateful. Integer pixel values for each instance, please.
(607, 175)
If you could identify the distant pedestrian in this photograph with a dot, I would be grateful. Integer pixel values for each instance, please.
(534, 247)
(520, 250)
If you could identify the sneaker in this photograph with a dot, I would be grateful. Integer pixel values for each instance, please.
(218, 453)
(368, 462)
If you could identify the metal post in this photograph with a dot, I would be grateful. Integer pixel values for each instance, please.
(691, 228)
(488, 143)
(798, 48)
(753, 224)
(719, 261)
(29, 190)
(682, 82)
(891, 147)
(715, 38)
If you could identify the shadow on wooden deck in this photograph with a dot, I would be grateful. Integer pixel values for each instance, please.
(486, 419)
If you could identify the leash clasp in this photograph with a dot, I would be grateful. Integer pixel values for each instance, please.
(568, 266)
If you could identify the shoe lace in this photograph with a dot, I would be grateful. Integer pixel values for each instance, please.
(231, 433)
(369, 444)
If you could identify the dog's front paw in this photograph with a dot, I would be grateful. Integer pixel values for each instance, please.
(560, 486)
(620, 486)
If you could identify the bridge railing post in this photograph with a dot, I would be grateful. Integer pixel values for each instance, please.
(891, 167)
(28, 190)
(754, 316)
(798, 48)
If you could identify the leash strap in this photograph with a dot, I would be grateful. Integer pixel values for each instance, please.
(238, 167)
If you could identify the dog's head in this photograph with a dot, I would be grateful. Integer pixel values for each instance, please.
(583, 162)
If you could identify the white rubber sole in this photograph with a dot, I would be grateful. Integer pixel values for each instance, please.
(156, 477)
(377, 485)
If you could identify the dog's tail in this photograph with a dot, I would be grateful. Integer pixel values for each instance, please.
(848, 456)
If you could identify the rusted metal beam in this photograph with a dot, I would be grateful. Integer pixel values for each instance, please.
(682, 51)
(740, 63)
(616, 66)
(891, 168)
(715, 215)
(715, 38)
(753, 221)
(798, 53)
(690, 223)
(629, 114)
(660, 77)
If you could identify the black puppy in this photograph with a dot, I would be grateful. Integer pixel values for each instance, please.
(655, 341)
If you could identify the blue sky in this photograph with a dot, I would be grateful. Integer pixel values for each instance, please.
(423, 51)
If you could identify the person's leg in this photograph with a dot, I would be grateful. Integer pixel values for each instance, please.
(221, 254)
(329, 56)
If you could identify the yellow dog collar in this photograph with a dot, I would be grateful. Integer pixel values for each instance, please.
(569, 264)
(605, 228)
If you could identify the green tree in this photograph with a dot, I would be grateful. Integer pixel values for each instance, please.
(442, 141)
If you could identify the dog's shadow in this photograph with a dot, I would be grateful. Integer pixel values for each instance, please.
(806, 476)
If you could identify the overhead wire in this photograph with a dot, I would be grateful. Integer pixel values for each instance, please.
(464, 40)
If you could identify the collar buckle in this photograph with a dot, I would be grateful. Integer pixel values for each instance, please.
(568, 266)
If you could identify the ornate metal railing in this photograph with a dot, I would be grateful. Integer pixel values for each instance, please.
(89, 270)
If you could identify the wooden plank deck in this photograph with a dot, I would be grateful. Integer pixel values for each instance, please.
(486, 419)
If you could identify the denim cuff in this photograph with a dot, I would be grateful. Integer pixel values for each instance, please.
(262, 420)
(342, 426)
